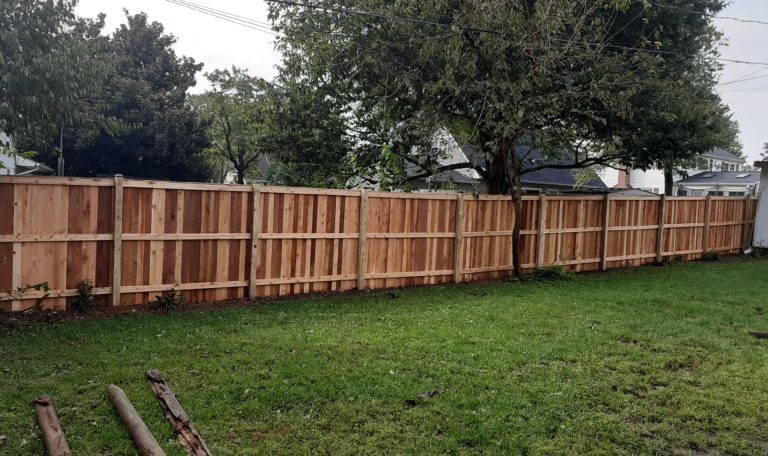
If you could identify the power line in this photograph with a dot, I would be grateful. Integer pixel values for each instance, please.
(228, 17)
(745, 77)
(225, 13)
(497, 32)
(747, 94)
(712, 15)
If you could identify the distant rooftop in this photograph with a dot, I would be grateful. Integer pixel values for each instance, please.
(722, 154)
(722, 178)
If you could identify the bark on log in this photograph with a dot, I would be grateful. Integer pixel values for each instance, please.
(49, 423)
(185, 430)
(759, 335)
(139, 432)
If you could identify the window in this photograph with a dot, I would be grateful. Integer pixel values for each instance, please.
(682, 193)
(714, 193)
(736, 193)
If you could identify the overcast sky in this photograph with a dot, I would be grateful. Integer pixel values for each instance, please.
(219, 44)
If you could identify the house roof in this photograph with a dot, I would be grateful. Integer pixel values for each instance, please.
(722, 154)
(744, 178)
(546, 176)
(612, 191)
(559, 177)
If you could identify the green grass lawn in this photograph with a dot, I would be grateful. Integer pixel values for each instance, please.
(653, 360)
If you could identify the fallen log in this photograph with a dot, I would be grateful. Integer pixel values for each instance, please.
(759, 335)
(139, 432)
(185, 430)
(49, 423)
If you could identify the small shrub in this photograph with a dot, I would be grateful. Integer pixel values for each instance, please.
(170, 301)
(677, 259)
(553, 273)
(758, 253)
(84, 299)
(710, 256)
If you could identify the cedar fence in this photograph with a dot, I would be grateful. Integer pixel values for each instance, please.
(134, 239)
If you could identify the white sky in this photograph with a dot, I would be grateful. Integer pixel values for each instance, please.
(219, 44)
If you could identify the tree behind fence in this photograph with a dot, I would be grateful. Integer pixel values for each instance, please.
(216, 242)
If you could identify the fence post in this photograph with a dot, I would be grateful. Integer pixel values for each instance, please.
(255, 228)
(660, 234)
(604, 250)
(745, 241)
(117, 253)
(705, 236)
(362, 254)
(16, 260)
(457, 245)
(540, 234)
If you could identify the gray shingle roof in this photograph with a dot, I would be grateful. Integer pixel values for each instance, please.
(723, 178)
(722, 154)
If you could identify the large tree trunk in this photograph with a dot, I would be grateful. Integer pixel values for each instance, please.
(498, 175)
(504, 177)
(668, 181)
(240, 175)
(516, 190)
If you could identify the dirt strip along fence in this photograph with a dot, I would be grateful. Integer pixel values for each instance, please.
(217, 242)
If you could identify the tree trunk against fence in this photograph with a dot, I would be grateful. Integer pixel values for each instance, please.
(669, 181)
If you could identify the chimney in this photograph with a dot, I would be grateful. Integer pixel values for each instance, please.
(624, 182)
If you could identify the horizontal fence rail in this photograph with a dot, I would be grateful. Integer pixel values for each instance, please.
(134, 239)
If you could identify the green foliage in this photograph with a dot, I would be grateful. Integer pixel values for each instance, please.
(48, 67)
(758, 253)
(560, 273)
(153, 133)
(308, 135)
(528, 82)
(711, 256)
(173, 300)
(43, 286)
(235, 109)
(84, 299)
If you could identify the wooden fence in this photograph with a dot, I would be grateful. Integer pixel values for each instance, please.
(215, 242)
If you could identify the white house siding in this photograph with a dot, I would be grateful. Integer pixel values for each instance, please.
(651, 180)
(610, 176)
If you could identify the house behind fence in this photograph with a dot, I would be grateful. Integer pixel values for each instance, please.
(216, 242)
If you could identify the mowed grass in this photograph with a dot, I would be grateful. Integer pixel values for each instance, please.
(653, 360)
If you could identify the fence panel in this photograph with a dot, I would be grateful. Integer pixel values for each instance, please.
(215, 242)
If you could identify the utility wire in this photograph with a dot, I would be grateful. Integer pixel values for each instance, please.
(762, 87)
(232, 18)
(712, 15)
(225, 13)
(496, 32)
(744, 78)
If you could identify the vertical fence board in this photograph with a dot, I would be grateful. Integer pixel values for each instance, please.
(223, 242)
(458, 244)
(117, 241)
(362, 260)
(606, 225)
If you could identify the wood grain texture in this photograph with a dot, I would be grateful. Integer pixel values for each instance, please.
(49, 423)
(213, 242)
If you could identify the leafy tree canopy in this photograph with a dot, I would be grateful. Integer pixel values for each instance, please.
(155, 133)
(555, 76)
(235, 108)
(49, 63)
